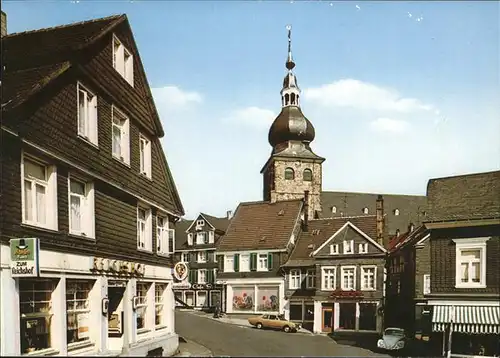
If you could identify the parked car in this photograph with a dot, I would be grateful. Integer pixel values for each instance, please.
(393, 339)
(275, 322)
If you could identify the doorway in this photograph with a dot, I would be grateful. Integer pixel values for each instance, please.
(189, 298)
(327, 319)
(116, 291)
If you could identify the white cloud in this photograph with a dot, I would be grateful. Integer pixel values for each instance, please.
(260, 118)
(389, 125)
(362, 95)
(175, 97)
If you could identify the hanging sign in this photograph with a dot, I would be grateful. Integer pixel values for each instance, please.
(180, 271)
(24, 255)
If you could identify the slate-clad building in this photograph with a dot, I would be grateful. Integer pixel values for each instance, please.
(464, 224)
(195, 245)
(84, 176)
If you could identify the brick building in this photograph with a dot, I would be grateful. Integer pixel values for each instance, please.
(88, 203)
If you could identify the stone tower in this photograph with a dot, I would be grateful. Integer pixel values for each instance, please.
(293, 167)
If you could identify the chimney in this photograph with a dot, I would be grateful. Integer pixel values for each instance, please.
(306, 210)
(229, 214)
(411, 227)
(380, 220)
(397, 232)
(4, 24)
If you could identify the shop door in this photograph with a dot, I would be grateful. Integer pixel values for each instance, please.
(327, 319)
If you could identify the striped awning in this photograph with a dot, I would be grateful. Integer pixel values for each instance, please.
(467, 319)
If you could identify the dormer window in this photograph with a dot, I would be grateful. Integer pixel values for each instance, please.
(200, 222)
(123, 61)
(307, 175)
(334, 249)
(396, 212)
(365, 210)
(348, 246)
(334, 210)
(363, 248)
(289, 174)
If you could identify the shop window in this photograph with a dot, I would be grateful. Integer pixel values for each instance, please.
(296, 312)
(190, 298)
(347, 316)
(142, 304)
(201, 299)
(368, 316)
(78, 310)
(268, 299)
(243, 298)
(159, 291)
(309, 312)
(36, 313)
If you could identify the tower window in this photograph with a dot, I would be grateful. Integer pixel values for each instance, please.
(287, 99)
(365, 210)
(293, 98)
(289, 174)
(307, 175)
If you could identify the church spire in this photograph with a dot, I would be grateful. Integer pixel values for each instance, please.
(290, 93)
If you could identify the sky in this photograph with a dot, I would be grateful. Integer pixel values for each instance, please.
(398, 92)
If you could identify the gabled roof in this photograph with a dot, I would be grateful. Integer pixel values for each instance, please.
(412, 208)
(261, 225)
(321, 230)
(416, 237)
(464, 197)
(38, 56)
(183, 225)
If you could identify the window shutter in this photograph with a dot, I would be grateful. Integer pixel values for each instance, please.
(188, 257)
(190, 239)
(205, 238)
(269, 262)
(195, 276)
(210, 276)
(171, 241)
(220, 262)
(211, 237)
(236, 262)
(191, 276)
(253, 262)
(211, 256)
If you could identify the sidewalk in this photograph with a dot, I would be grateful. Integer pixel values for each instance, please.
(191, 349)
(243, 322)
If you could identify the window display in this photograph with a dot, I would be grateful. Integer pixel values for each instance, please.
(243, 298)
(268, 299)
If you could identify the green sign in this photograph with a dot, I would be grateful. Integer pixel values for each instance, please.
(24, 255)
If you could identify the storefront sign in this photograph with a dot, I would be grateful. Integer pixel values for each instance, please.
(346, 294)
(202, 286)
(181, 285)
(118, 266)
(180, 271)
(24, 255)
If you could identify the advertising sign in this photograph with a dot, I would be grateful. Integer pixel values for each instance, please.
(180, 271)
(24, 254)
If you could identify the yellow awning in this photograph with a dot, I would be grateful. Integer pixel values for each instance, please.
(467, 319)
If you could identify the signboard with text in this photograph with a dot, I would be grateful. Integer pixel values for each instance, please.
(24, 255)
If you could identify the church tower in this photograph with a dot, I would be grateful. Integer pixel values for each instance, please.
(293, 168)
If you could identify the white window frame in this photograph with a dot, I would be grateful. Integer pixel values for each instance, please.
(311, 278)
(334, 249)
(50, 185)
(145, 156)
(228, 263)
(211, 237)
(294, 279)
(204, 280)
(124, 155)
(185, 257)
(325, 274)
(201, 256)
(200, 237)
(365, 211)
(87, 208)
(364, 273)
(363, 248)
(123, 61)
(244, 263)
(262, 262)
(87, 127)
(77, 311)
(142, 304)
(344, 272)
(334, 210)
(160, 289)
(148, 234)
(165, 237)
(396, 212)
(464, 244)
(200, 222)
(427, 284)
(190, 239)
(348, 244)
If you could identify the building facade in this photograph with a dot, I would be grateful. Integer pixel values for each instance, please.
(195, 246)
(256, 244)
(464, 226)
(88, 202)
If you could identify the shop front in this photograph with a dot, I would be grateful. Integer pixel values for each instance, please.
(202, 296)
(467, 329)
(347, 313)
(82, 305)
(245, 296)
(302, 311)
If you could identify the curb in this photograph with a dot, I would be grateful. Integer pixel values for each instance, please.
(206, 353)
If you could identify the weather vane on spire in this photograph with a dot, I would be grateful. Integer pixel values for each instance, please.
(289, 62)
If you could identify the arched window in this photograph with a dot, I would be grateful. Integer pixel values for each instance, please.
(292, 98)
(289, 174)
(307, 175)
(365, 210)
(334, 210)
(396, 212)
(287, 99)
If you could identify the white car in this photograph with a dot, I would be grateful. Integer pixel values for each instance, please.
(393, 339)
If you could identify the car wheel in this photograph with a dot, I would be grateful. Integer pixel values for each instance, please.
(286, 329)
(259, 325)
